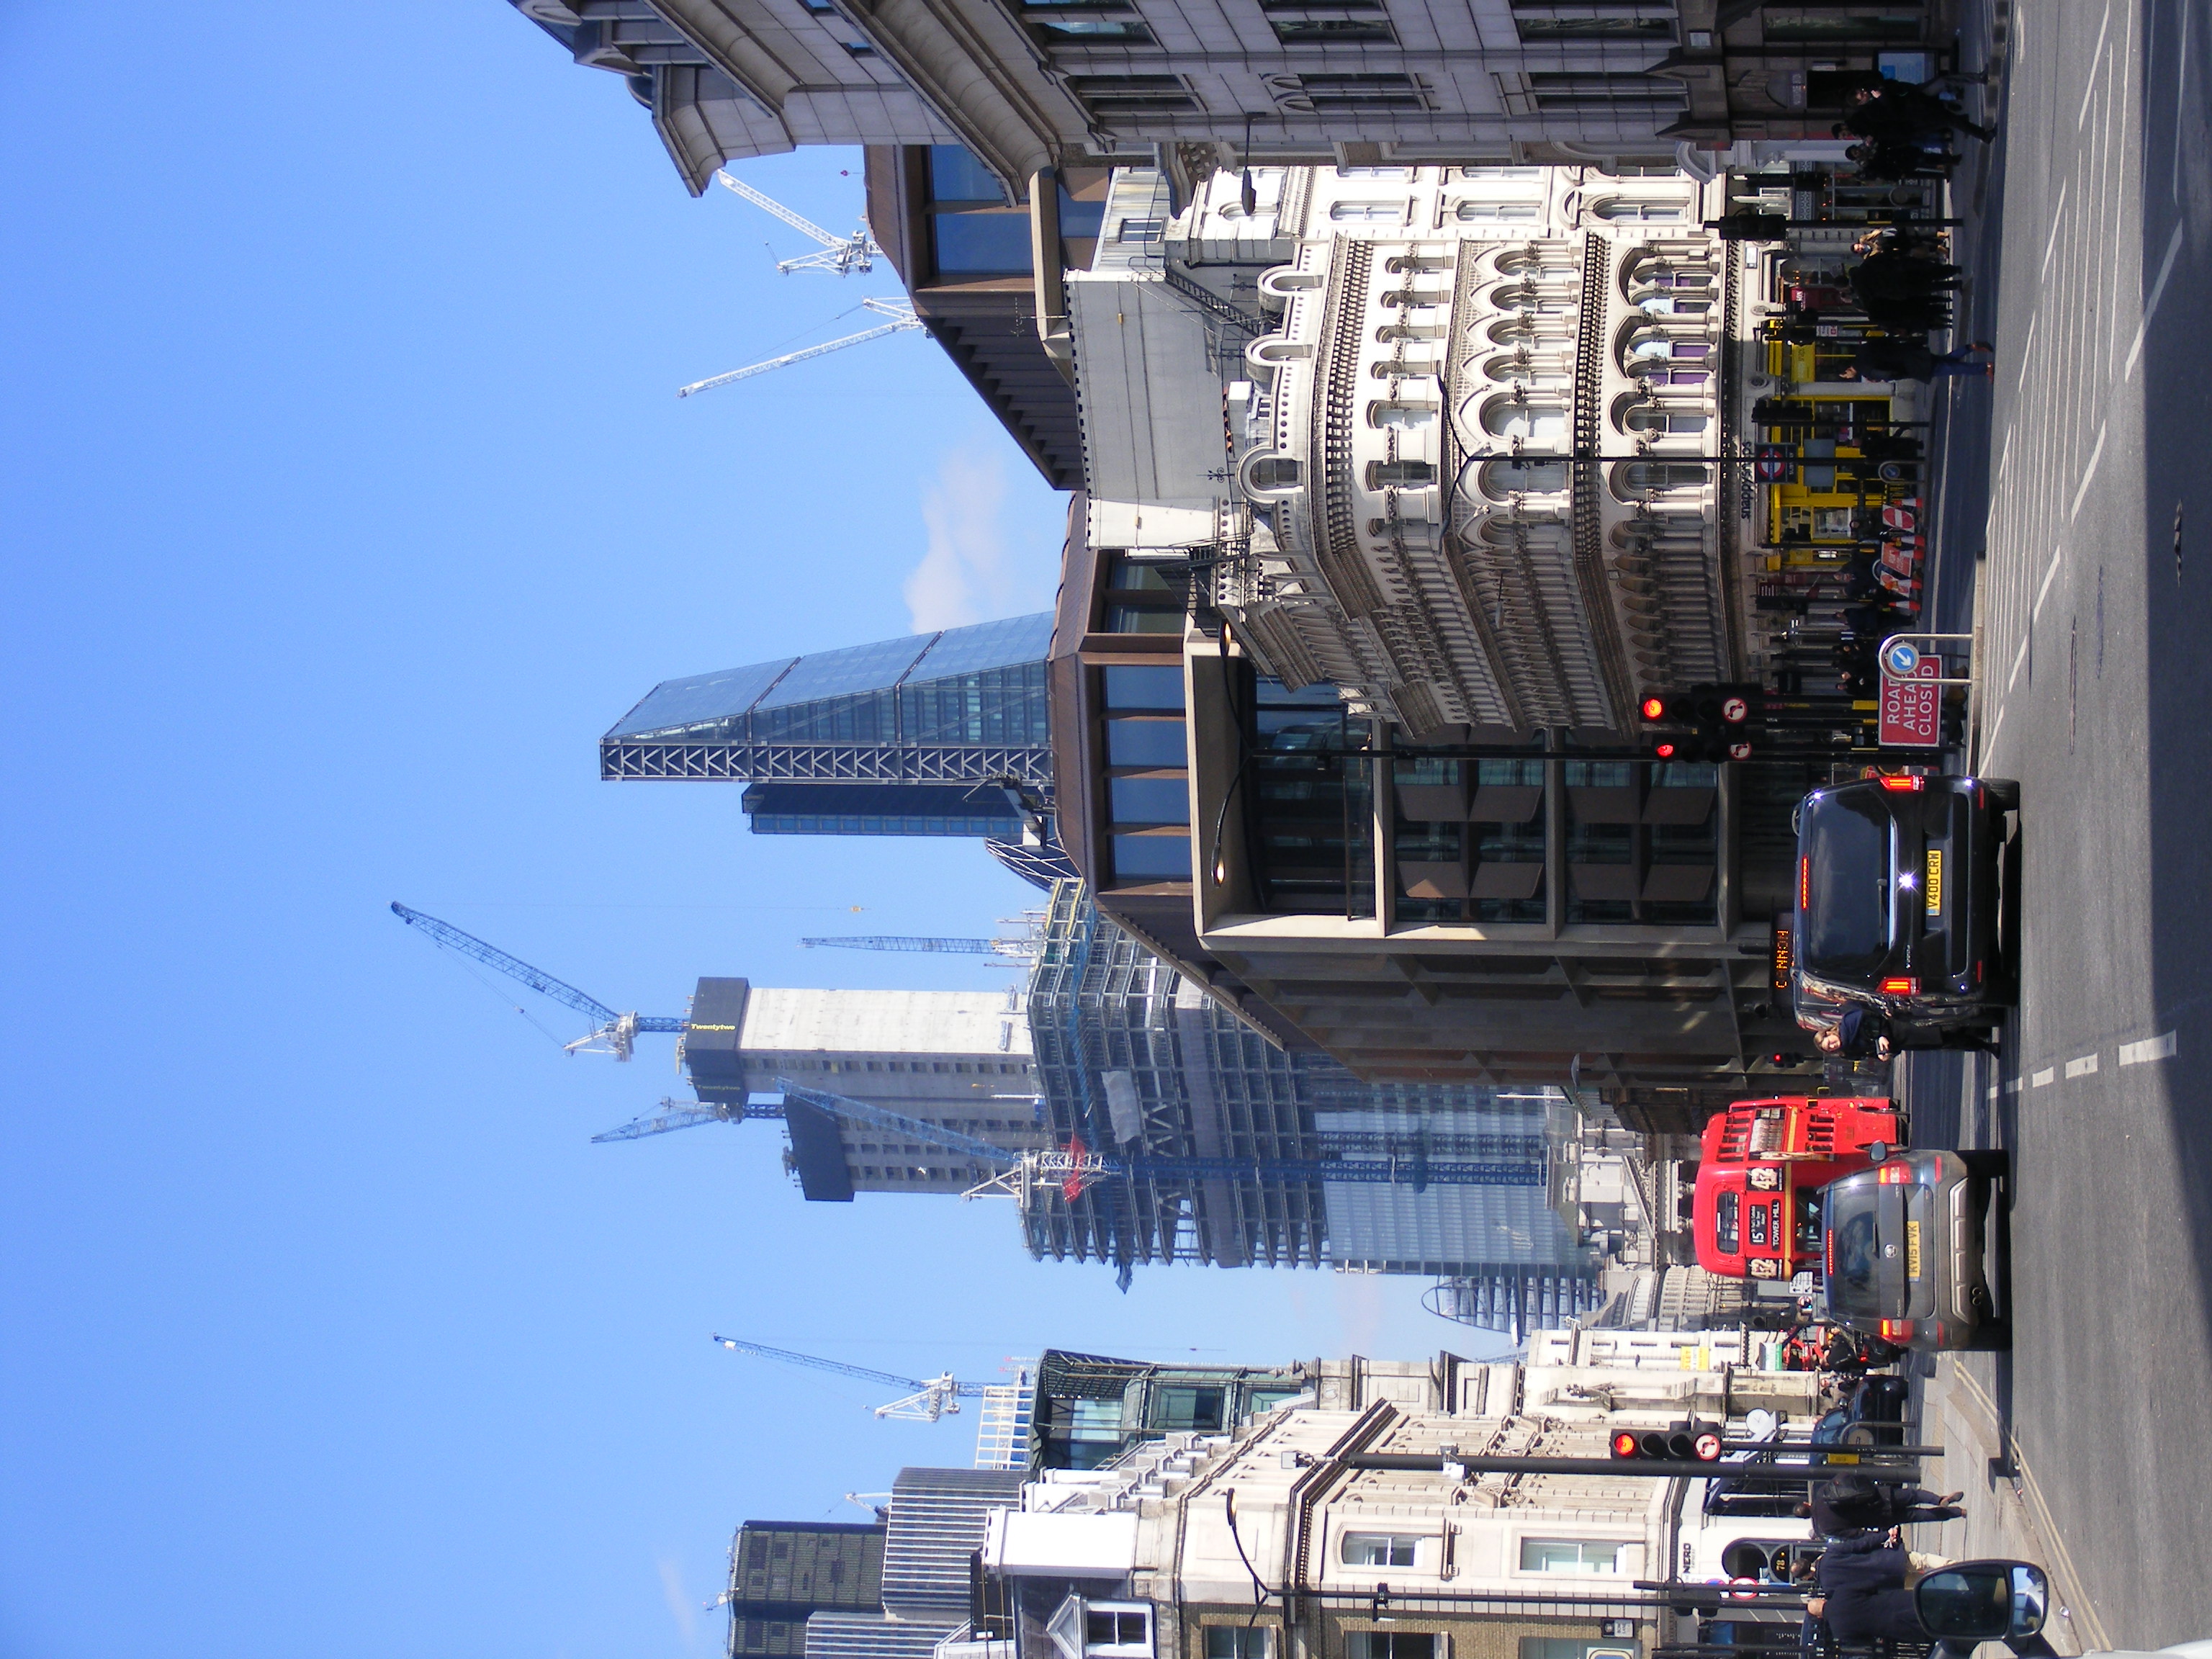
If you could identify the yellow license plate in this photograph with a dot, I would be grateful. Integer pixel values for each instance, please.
(1913, 1250)
(1841, 1457)
(1935, 880)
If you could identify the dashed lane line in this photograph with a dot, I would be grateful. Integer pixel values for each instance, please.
(2080, 1067)
(2042, 1079)
(2157, 293)
(2162, 1047)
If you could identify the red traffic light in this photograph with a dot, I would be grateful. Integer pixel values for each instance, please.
(1624, 1443)
(1664, 751)
(1655, 708)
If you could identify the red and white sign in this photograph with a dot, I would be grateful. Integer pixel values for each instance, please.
(1912, 710)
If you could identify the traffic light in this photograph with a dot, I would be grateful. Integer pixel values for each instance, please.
(1721, 719)
(1688, 1440)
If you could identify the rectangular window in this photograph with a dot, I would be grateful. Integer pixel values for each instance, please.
(1143, 799)
(1325, 92)
(1238, 1641)
(970, 243)
(1131, 93)
(1379, 1549)
(1146, 743)
(1332, 31)
(1393, 1644)
(1143, 687)
(1153, 857)
(955, 176)
(1055, 24)
(1574, 1555)
(1116, 1628)
(1616, 27)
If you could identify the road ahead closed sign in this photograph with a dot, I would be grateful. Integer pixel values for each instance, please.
(1912, 708)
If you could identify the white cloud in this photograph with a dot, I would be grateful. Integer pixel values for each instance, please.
(681, 1607)
(970, 573)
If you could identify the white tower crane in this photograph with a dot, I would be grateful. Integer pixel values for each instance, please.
(840, 255)
(901, 318)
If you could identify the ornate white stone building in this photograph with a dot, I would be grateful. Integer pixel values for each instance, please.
(1473, 445)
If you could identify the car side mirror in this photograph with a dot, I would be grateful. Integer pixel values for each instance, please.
(1878, 1151)
(1982, 1601)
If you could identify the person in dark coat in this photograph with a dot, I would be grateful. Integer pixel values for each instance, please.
(1865, 1033)
(1902, 360)
(1897, 111)
(1865, 1599)
(1853, 1503)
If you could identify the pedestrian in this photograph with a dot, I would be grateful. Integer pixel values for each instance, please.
(1854, 1503)
(1901, 359)
(1864, 1578)
(1865, 1033)
(1901, 112)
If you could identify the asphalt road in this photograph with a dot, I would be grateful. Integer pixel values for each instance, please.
(2082, 478)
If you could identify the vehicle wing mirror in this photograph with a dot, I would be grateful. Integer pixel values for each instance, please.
(1982, 1601)
(1877, 1152)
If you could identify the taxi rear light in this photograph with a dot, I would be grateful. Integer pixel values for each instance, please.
(1910, 784)
(1804, 883)
(1896, 1330)
(1896, 1175)
(1900, 985)
(1828, 1256)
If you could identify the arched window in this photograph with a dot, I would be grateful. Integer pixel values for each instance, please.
(1633, 479)
(1403, 368)
(1283, 281)
(1521, 475)
(1651, 418)
(1514, 330)
(1496, 213)
(1402, 414)
(1369, 213)
(1399, 263)
(1270, 474)
(1399, 474)
(1532, 421)
(1420, 298)
(1390, 333)
(1674, 305)
(1624, 210)
(1486, 172)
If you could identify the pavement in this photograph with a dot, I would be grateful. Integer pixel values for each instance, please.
(2074, 515)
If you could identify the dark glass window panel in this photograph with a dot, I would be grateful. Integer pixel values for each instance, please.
(981, 243)
(1594, 28)
(1331, 31)
(1130, 577)
(957, 176)
(1087, 30)
(1158, 858)
(1144, 742)
(1149, 800)
(1133, 619)
(1131, 686)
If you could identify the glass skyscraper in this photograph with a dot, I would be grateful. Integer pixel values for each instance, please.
(905, 737)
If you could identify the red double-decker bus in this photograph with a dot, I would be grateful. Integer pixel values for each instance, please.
(1756, 1208)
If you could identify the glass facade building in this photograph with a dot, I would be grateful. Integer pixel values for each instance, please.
(901, 736)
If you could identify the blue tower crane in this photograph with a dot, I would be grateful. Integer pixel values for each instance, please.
(926, 1399)
(612, 1033)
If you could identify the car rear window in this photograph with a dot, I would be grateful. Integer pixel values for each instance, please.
(1725, 1209)
(1845, 926)
(1856, 1275)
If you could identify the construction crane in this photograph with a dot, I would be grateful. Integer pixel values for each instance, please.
(926, 1400)
(901, 318)
(683, 1114)
(612, 1033)
(840, 255)
(1019, 949)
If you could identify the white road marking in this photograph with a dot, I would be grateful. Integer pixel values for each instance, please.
(2012, 1085)
(2096, 66)
(2149, 1049)
(2157, 293)
(2088, 473)
(2080, 1068)
(2042, 1077)
(2057, 219)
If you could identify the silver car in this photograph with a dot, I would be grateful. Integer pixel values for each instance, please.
(1905, 1250)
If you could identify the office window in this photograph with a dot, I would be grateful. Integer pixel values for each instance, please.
(981, 243)
(1161, 798)
(1394, 1644)
(957, 176)
(1574, 1555)
(1326, 92)
(1153, 857)
(1053, 23)
(1598, 27)
(1112, 1630)
(1130, 93)
(1331, 31)
(1382, 213)
(1380, 1549)
(1131, 686)
(1238, 1641)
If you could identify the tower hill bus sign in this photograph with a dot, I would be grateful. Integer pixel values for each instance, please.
(1913, 682)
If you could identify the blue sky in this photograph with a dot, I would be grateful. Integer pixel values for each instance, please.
(347, 501)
